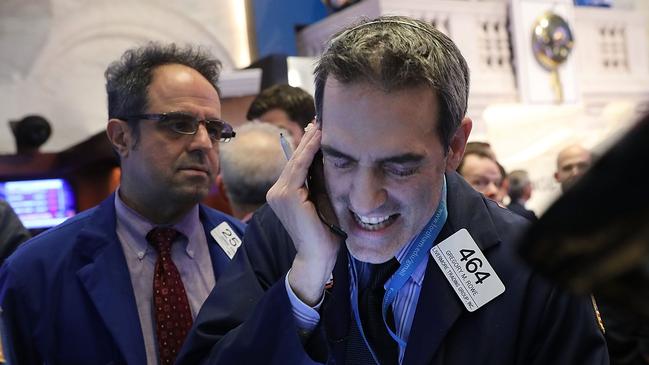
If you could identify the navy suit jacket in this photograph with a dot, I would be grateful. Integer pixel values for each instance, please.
(520, 209)
(67, 297)
(248, 320)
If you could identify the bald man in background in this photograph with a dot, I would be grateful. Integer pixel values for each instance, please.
(251, 164)
(572, 162)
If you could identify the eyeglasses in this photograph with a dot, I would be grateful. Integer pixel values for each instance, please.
(184, 123)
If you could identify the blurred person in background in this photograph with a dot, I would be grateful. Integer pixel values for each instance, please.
(285, 106)
(250, 165)
(480, 147)
(484, 149)
(503, 189)
(520, 191)
(483, 173)
(595, 238)
(572, 162)
(12, 231)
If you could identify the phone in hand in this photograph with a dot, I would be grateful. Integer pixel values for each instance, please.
(318, 195)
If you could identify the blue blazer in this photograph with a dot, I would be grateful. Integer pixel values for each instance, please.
(520, 209)
(67, 298)
(247, 318)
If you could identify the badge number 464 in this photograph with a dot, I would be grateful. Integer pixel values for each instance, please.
(467, 270)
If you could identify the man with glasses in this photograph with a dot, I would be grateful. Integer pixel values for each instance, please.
(121, 283)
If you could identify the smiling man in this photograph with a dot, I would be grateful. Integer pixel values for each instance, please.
(413, 266)
(122, 282)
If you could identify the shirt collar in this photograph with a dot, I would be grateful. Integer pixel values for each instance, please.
(417, 275)
(139, 226)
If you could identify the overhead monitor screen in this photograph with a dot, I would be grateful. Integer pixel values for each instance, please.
(39, 203)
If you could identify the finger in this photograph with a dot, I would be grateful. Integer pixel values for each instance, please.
(296, 169)
(299, 165)
(309, 126)
(308, 134)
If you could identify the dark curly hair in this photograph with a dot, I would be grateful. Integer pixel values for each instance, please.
(128, 79)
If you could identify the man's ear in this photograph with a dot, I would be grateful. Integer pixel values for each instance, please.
(120, 136)
(458, 144)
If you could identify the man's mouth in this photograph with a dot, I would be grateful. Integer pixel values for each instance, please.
(196, 168)
(374, 223)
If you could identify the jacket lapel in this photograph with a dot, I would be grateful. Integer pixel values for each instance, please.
(438, 307)
(437, 310)
(219, 258)
(108, 283)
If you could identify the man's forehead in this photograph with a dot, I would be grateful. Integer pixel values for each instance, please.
(367, 98)
(574, 159)
(276, 115)
(362, 120)
(181, 84)
(474, 159)
(573, 152)
(370, 85)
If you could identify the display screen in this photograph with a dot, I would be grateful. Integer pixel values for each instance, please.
(39, 203)
(603, 3)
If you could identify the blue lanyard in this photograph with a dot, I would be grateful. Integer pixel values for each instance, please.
(416, 253)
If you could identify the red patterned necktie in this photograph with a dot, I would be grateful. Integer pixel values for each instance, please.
(173, 318)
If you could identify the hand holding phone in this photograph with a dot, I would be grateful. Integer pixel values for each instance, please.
(318, 195)
(295, 205)
(317, 191)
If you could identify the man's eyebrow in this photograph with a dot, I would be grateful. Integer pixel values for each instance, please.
(403, 158)
(398, 159)
(330, 151)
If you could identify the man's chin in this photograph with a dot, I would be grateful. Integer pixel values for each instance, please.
(191, 195)
(370, 255)
(568, 184)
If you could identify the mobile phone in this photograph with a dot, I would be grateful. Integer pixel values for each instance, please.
(318, 195)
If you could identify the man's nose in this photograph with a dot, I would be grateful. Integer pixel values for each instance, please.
(201, 140)
(491, 191)
(579, 170)
(367, 192)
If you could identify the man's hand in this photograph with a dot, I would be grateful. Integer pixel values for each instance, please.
(317, 247)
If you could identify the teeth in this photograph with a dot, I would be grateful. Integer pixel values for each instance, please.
(372, 220)
(374, 223)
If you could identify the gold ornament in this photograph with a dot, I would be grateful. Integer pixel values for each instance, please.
(552, 42)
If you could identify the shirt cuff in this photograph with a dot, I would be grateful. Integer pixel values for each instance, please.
(306, 317)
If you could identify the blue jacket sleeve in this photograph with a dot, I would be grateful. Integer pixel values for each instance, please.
(16, 334)
(247, 318)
